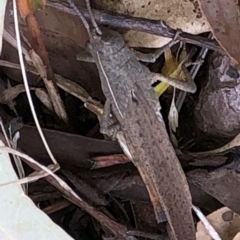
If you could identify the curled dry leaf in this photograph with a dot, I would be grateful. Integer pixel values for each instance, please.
(226, 227)
(44, 98)
(237, 237)
(234, 143)
(173, 114)
(10, 93)
(2, 15)
(183, 14)
(24, 7)
(38, 63)
(224, 19)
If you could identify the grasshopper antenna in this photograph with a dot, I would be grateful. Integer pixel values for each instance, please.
(92, 17)
(83, 19)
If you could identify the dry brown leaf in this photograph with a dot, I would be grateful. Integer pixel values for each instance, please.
(22, 219)
(38, 63)
(234, 143)
(2, 15)
(224, 221)
(224, 19)
(237, 237)
(25, 7)
(173, 114)
(44, 98)
(184, 14)
(11, 93)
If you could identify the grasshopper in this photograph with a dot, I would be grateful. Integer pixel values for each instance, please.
(119, 69)
(120, 72)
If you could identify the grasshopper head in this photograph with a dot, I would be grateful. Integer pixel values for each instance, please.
(110, 42)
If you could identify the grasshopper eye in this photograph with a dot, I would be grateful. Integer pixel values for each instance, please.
(108, 43)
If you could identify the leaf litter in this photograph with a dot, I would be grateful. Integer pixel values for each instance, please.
(80, 88)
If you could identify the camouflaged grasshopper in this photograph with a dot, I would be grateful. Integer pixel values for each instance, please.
(121, 75)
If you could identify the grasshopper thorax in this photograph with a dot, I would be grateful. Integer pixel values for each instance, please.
(110, 42)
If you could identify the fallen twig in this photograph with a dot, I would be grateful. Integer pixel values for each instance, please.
(140, 24)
